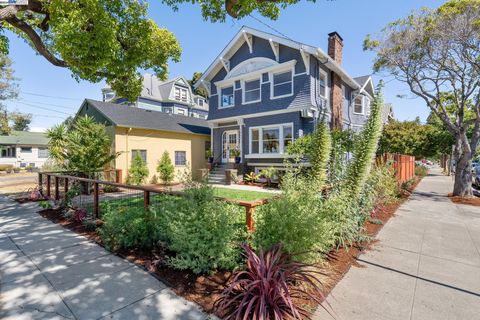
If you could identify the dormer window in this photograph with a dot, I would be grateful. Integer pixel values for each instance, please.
(181, 94)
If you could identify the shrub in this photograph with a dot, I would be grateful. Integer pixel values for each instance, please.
(165, 168)
(69, 214)
(128, 228)
(266, 289)
(250, 177)
(80, 214)
(201, 230)
(295, 220)
(138, 171)
(421, 171)
(109, 188)
(45, 204)
(89, 224)
(154, 179)
(269, 174)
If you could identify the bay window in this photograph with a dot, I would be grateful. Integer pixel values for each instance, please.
(251, 91)
(282, 84)
(272, 139)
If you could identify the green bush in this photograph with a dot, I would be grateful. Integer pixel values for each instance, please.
(165, 168)
(202, 231)
(421, 171)
(295, 220)
(129, 228)
(138, 171)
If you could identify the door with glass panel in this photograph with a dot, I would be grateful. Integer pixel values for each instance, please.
(230, 142)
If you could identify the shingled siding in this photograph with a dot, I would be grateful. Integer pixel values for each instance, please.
(300, 98)
(350, 119)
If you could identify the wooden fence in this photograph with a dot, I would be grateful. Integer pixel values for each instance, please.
(403, 165)
(55, 185)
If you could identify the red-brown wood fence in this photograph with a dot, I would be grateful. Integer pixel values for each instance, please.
(403, 165)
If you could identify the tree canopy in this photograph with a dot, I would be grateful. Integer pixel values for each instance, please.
(96, 39)
(437, 54)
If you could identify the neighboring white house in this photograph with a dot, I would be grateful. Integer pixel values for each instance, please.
(24, 149)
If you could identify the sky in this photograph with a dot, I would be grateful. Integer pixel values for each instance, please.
(51, 94)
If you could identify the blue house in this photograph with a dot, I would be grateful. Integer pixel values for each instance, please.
(265, 91)
(172, 96)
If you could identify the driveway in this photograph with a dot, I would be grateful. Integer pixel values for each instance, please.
(48, 272)
(426, 264)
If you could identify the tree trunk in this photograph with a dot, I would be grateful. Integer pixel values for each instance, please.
(463, 175)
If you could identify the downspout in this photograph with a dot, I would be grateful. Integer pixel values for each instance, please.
(126, 147)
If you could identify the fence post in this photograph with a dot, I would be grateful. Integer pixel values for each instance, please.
(250, 210)
(48, 185)
(57, 192)
(146, 199)
(66, 187)
(95, 200)
(40, 182)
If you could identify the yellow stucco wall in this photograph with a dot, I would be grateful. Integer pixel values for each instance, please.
(156, 142)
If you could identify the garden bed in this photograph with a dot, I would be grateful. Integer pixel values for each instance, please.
(473, 201)
(205, 289)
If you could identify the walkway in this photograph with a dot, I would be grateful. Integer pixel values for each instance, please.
(426, 264)
(48, 272)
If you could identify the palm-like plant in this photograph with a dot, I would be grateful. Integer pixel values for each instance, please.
(85, 147)
(269, 287)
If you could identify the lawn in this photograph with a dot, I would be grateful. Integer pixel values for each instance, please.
(242, 194)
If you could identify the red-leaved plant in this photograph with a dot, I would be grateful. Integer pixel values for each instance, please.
(80, 214)
(269, 288)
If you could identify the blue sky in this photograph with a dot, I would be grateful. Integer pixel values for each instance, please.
(43, 86)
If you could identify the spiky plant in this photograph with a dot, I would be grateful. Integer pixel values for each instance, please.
(269, 287)
(320, 153)
(365, 148)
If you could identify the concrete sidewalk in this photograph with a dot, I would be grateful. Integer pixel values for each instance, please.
(48, 272)
(426, 264)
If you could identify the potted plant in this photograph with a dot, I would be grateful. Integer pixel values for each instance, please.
(236, 154)
(209, 156)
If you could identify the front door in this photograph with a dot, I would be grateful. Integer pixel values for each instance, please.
(229, 142)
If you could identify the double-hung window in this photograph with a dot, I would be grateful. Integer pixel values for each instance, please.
(43, 153)
(282, 84)
(322, 84)
(180, 158)
(271, 139)
(358, 104)
(251, 91)
(181, 94)
(26, 149)
(226, 97)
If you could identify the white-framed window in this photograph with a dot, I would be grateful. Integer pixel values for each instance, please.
(322, 84)
(181, 111)
(358, 104)
(367, 105)
(226, 97)
(272, 139)
(26, 150)
(181, 94)
(167, 110)
(200, 102)
(180, 158)
(252, 91)
(282, 84)
(8, 152)
(43, 153)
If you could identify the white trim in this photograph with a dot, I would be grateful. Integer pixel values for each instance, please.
(327, 91)
(306, 60)
(275, 49)
(260, 129)
(227, 140)
(258, 114)
(272, 84)
(258, 72)
(242, 86)
(248, 40)
(225, 63)
(267, 155)
(219, 89)
(354, 97)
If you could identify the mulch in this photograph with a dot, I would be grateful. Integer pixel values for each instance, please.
(472, 201)
(206, 289)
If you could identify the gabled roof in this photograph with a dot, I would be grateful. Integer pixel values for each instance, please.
(133, 117)
(24, 138)
(155, 89)
(366, 84)
(241, 37)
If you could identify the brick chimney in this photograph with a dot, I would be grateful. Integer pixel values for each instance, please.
(335, 46)
(335, 49)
